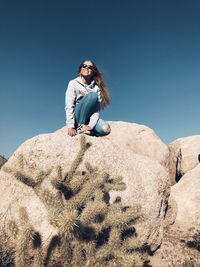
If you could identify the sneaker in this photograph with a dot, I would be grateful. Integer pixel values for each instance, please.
(79, 128)
(87, 132)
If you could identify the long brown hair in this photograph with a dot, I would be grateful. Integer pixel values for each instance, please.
(97, 77)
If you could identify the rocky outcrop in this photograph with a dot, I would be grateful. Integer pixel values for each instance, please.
(139, 139)
(183, 156)
(147, 181)
(187, 196)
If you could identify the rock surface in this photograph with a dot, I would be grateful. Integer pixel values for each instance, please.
(184, 156)
(187, 196)
(139, 139)
(147, 181)
(171, 213)
(175, 250)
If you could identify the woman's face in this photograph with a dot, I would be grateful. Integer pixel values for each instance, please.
(87, 69)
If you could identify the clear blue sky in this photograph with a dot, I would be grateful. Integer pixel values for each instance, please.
(148, 51)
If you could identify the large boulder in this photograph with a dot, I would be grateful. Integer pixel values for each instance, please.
(183, 156)
(139, 139)
(147, 181)
(187, 196)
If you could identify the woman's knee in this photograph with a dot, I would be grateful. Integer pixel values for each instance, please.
(92, 96)
(106, 128)
(102, 128)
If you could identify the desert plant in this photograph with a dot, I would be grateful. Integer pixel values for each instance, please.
(91, 230)
(24, 236)
(7, 252)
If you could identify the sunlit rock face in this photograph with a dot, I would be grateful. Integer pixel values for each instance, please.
(187, 196)
(132, 151)
(184, 155)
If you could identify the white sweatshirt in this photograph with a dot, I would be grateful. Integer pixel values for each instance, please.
(75, 91)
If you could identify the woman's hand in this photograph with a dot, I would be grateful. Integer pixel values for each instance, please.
(71, 132)
(85, 128)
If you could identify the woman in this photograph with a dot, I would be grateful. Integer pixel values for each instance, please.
(85, 97)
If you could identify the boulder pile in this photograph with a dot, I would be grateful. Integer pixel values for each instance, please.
(141, 166)
(150, 169)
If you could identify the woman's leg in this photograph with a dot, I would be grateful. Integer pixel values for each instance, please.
(86, 107)
(102, 128)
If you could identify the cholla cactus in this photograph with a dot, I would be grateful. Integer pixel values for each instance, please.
(24, 234)
(91, 230)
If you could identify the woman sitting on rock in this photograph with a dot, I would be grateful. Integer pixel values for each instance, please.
(85, 97)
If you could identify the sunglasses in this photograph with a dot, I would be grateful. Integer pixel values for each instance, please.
(87, 66)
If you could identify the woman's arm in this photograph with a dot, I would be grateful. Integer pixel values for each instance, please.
(70, 100)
